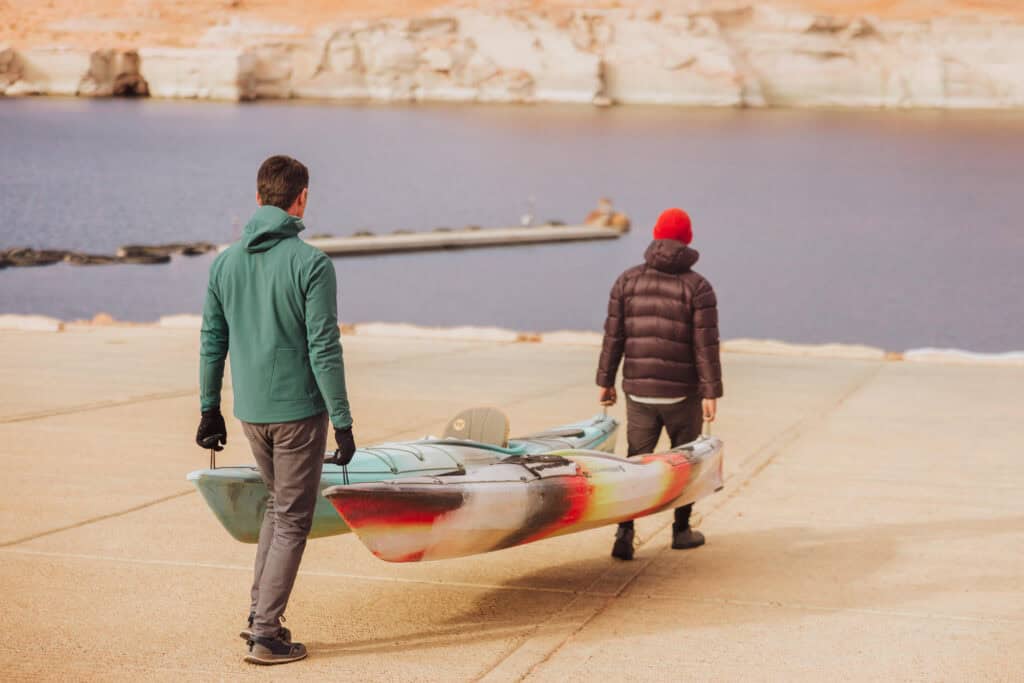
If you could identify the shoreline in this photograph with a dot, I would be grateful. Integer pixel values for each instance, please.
(471, 333)
(707, 54)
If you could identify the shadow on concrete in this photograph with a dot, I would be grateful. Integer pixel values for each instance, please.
(799, 565)
(831, 569)
(500, 614)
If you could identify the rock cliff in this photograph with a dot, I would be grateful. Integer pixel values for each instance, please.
(700, 54)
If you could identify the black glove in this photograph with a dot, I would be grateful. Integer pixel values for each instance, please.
(346, 447)
(212, 432)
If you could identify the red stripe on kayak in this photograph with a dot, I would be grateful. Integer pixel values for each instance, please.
(411, 557)
(393, 508)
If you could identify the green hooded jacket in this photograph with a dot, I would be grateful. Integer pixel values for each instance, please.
(272, 302)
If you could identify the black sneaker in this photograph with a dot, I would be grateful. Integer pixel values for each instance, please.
(274, 651)
(623, 548)
(684, 538)
(246, 633)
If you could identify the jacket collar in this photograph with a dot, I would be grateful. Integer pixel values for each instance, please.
(670, 256)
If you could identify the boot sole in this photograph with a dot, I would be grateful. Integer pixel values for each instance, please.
(270, 661)
(625, 557)
(689, 546)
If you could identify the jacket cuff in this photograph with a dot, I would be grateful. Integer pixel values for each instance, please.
(712, 390)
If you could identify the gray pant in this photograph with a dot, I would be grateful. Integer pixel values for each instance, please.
(290, 457)
(644, 422)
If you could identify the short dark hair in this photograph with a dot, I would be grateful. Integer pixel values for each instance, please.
(281, 180)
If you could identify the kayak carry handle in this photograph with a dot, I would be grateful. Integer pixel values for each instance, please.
(387, 462)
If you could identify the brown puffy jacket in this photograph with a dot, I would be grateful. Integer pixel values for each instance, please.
(663, 316)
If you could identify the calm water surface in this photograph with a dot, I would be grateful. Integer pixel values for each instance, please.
(894, 229)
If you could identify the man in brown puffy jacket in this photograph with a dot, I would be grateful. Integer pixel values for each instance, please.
(663, 317)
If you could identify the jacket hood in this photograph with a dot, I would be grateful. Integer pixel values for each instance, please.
(670, 256)
(268, 226)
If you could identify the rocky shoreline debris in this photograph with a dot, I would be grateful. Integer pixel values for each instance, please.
(128, 254)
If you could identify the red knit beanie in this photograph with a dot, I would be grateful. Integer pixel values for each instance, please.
(674, 224)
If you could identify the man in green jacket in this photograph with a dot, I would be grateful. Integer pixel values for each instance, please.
(272, 303)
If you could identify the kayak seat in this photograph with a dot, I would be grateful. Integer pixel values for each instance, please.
(486, 425)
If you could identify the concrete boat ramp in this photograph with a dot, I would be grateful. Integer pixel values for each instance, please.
(871, 528)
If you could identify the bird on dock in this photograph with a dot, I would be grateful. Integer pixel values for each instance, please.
(526, 220)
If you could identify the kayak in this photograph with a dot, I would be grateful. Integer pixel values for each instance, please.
(523, 499)
(238, 497)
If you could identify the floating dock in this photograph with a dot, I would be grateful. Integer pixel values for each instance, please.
(466, 238)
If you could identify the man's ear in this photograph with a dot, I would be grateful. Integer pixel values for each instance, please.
(304, 196)
(259, 199)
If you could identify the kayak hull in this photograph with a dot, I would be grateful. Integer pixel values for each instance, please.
(522, 500)
(238, 497)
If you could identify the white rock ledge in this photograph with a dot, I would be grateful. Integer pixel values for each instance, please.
(183, 321)
(30, 323)
(747, 54)
(400, 330)
(188, 321)
(777, 348)
(958, 357)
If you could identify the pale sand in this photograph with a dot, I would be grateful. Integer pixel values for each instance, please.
(871, 527)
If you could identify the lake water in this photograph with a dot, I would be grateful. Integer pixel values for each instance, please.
(894, 229)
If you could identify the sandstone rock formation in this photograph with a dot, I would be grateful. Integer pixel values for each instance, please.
(701, 53)
(70, 71)
(10, 68)
(199, 73)
(113, 72)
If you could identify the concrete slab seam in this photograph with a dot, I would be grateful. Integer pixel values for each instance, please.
(767, 453)
(164, 499)
(500, 670)
(99, 405)
(100, 518)
(762, 458)
(302, 572)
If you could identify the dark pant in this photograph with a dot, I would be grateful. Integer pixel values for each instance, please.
(644, 422)
(290, 457)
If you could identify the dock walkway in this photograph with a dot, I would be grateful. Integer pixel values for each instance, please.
(460, 239)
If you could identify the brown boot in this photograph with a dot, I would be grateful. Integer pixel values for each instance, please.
(685, 537)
